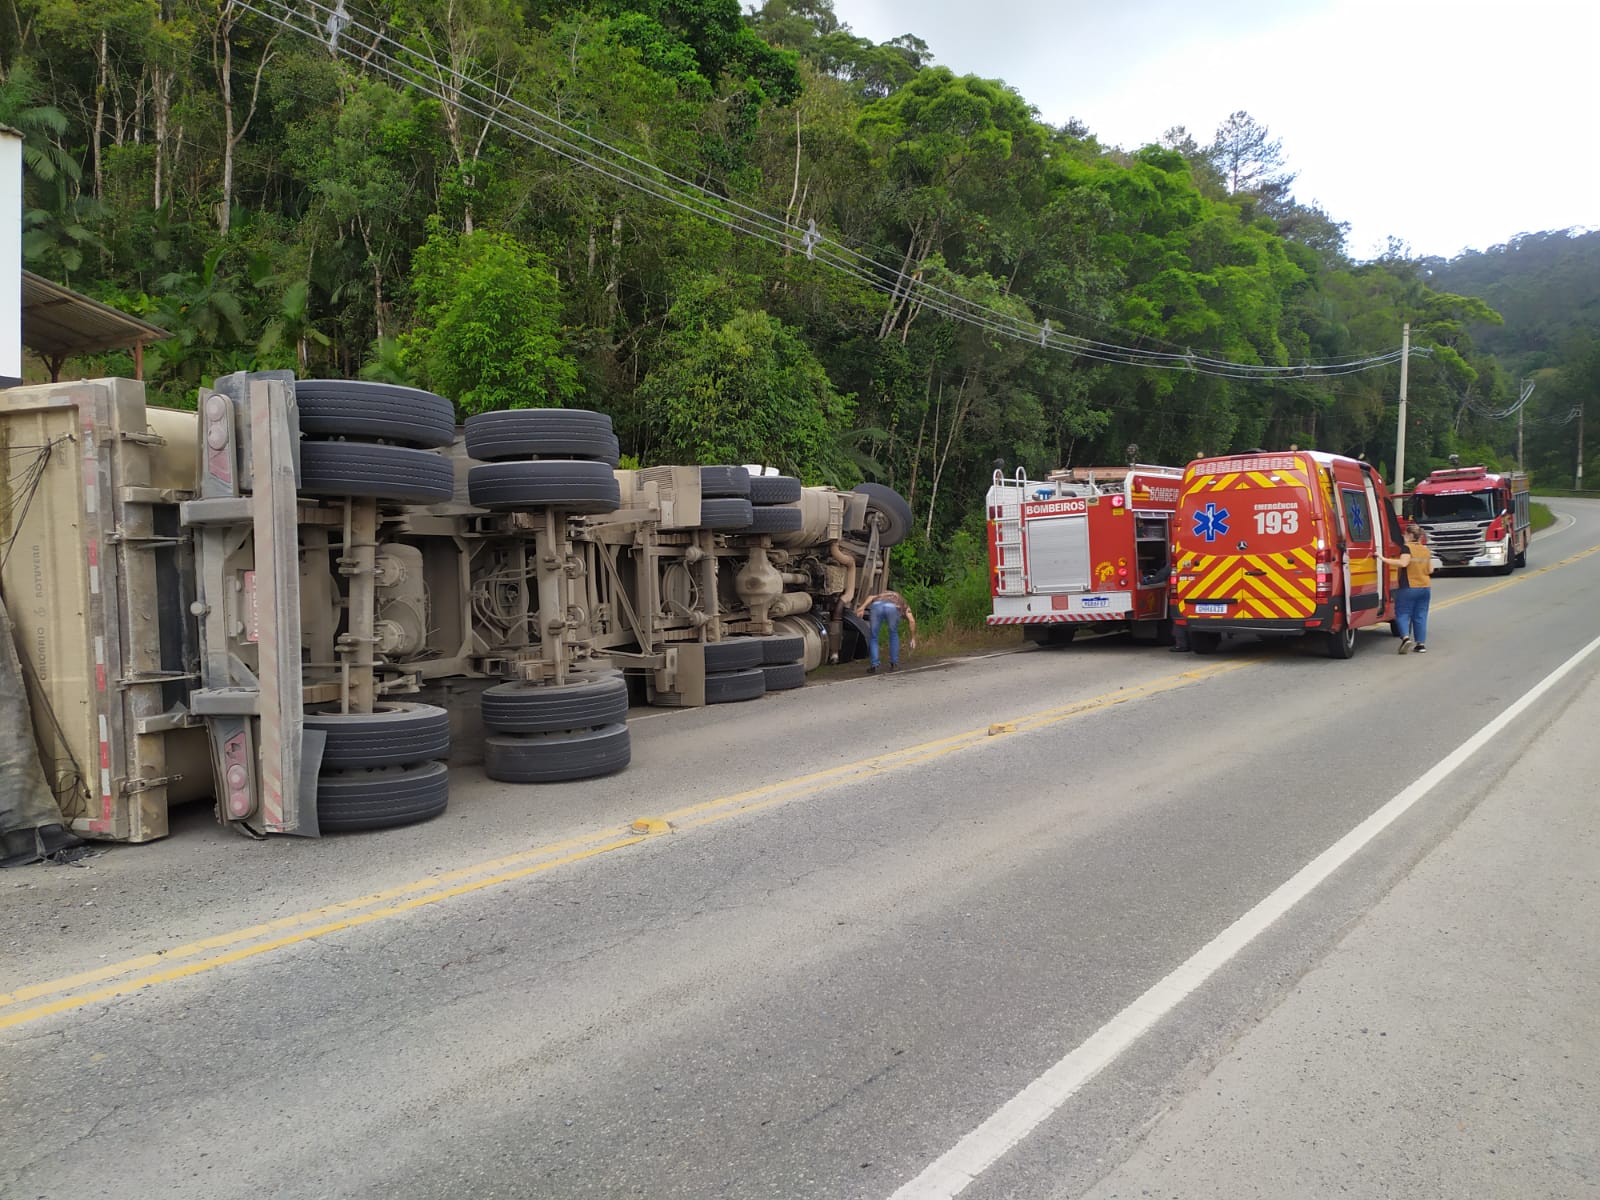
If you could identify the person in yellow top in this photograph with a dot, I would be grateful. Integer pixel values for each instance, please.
(1414, 589)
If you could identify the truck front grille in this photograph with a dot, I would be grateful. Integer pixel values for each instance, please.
(1456, 542)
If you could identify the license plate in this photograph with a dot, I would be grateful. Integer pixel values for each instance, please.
(1211, 610)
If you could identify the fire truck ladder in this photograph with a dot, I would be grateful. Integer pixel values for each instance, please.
(1010, 579)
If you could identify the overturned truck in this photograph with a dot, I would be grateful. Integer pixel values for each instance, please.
(307, 597)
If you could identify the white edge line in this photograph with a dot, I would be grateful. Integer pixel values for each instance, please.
(950, 1173)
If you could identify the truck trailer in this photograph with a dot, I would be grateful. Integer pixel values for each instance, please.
(306, 597)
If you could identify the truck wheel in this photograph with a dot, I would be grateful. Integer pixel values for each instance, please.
(572, 433)
(734, 654)
(772, 518)
(381, 797)
(556, 757)
(1521, 560)
(393, 736)
(570, 484)
(1204, 642)
(781, 648)
(376, 472)
(894, 514)
(727, 513)
(725, 481)
(780, 677)
(355, 408)
(774, 489)
(729, 687)
(1342, 642)
(532, 708)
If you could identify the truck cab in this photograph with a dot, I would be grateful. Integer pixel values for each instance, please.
(1474, 517)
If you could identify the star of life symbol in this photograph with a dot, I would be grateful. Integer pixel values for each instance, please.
(1210, 522)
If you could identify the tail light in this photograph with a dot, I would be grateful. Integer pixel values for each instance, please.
(1324, 580)
(1122, 572)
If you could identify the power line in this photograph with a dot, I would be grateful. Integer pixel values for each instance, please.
(521, 120)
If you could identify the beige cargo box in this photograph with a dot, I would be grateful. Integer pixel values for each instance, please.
(97, 577)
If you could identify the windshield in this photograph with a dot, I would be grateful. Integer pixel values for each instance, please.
(1464, 506)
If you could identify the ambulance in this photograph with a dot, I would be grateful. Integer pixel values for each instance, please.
(1086, 545)
(1283, 544)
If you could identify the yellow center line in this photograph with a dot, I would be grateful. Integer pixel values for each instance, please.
(222, 949)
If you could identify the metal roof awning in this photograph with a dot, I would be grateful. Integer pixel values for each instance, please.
(58, 322)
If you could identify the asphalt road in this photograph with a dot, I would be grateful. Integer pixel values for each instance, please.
(1096, 921)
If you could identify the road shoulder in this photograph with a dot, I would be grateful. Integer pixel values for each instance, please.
(1448, 1046)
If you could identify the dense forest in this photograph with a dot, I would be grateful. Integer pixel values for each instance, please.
(748, 236)
(1546, 286)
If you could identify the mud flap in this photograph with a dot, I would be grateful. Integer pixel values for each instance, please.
(312, 744)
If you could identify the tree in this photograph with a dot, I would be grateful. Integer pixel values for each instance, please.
(1250, 158)
(745, 389)
(487, 330)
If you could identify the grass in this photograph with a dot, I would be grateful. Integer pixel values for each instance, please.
(1540, 517)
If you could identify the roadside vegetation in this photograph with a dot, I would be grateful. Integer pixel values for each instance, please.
(276, 204)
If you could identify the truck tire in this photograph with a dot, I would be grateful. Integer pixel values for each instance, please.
(1521, 559)
(774, 489)
(573, 433)
(728, 513)
(781, 648)
(733, 654)
(729, 687)
(377, 472)
(894, 514)
(774, 519)
(1204, 641)
(381, 797)
(556, 757)
(725, 481)
(571, 484)
(394, 736)
(531, 708)
(356, 408)
(780, 677)
(1342, 642)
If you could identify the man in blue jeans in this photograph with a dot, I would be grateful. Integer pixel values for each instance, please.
(887, 608)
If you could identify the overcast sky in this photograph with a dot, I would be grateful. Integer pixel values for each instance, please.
(1451, 125)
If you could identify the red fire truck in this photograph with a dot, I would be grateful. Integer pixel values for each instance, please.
(1474, 517)
(1085, 544)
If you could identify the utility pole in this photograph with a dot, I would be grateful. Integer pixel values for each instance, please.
(1400, 437)
(1521, 466)
(1578, 483)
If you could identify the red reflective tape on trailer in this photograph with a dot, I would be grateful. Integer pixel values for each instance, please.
(105, 775)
